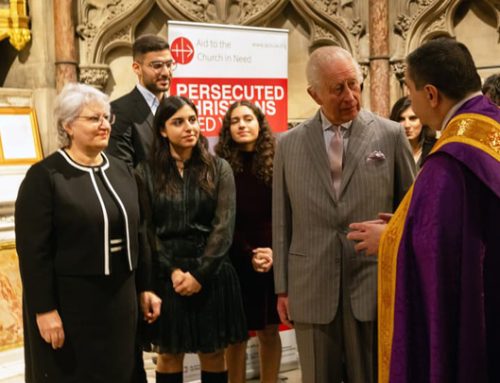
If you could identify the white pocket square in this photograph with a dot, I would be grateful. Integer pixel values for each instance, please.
(376, 155)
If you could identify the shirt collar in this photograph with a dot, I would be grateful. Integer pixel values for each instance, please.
(150, 98)
(325, 124)
(455, 107)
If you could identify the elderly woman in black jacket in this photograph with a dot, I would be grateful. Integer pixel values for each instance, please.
(77, 236)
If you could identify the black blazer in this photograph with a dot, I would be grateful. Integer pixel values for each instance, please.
(61, 224)
(132, 133)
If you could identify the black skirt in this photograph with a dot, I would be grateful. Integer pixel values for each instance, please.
(257, 292)
(201, 323)
(99, 315)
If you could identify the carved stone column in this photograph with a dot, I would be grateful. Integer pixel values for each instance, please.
(66, 63)
(379, 57)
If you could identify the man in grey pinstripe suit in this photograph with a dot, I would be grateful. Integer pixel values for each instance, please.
(326, 289)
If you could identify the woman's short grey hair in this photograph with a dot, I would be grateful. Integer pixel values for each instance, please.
(70, 102)
(326, 55)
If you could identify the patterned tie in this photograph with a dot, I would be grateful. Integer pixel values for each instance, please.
(335, 155)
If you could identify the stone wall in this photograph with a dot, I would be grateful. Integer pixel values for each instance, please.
(105, 31)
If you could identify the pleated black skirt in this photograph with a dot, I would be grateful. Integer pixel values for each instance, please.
(204, 322)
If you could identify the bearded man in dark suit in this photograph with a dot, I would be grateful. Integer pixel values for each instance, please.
(132, 133)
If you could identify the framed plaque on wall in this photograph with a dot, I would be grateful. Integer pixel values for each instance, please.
(19, 136)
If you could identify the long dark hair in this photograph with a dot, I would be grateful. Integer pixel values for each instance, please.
(399, 108)
(226, 148)
(163, 164)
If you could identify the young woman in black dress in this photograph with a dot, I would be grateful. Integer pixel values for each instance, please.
(188, 202)
(247, 143)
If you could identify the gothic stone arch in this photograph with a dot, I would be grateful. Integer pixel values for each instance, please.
(106, 25)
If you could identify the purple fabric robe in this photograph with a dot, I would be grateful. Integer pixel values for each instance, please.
(447, 303)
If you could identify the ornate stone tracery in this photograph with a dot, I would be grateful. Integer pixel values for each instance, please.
(100, 53)
(432, 18)
(105, 25)
(402, 25)
(398, 68)
(95, 75)
(423, 3)
(356, 27)
(329, 7)
(330, 23)
(108, 24)
(416, 21)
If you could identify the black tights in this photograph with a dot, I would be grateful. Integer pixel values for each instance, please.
(206, 377)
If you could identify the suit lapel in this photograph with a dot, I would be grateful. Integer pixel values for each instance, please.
(358, 141)
(143, 108)
(150, 120)
(316, 147)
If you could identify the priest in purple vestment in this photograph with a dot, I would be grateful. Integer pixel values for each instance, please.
(439, 255)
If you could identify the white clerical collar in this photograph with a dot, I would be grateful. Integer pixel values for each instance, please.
(457, 106)
(326, 124)
(150, 98)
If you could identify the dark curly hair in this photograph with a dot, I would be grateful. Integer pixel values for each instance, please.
(163, 164)
(226, 148)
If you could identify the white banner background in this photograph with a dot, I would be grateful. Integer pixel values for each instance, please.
(220, 64)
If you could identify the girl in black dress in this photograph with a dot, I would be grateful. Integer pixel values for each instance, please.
(247, 143)
(188, 200)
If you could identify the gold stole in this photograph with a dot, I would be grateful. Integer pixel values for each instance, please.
(471, 129)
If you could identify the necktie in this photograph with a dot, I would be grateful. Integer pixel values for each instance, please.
(335, 154)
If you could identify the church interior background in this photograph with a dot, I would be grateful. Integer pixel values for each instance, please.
(44, 44)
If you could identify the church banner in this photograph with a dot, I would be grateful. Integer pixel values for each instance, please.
(220, 64)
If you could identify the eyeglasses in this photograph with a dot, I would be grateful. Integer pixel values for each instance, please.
(99, 119)
(157, 66)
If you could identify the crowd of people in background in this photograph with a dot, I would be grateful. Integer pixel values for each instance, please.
(135, 236)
